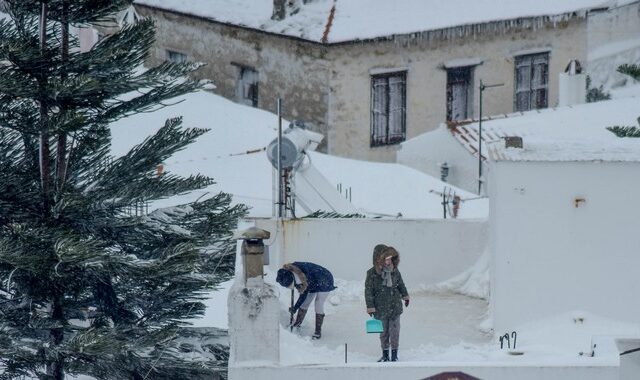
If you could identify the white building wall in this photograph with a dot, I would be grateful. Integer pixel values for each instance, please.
(487, 371)
(551, 256)
(431, 251)
(428, 151)
(613, 39)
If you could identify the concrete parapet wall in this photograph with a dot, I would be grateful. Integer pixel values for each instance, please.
(431, 251)
(490, 371)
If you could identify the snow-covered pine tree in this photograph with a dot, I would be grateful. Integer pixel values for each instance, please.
(85, 287)
(631, 70)
(628, 131)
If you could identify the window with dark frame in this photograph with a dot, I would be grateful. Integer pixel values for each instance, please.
(459, 93)
(388, 108)
(176, 57)
(531, 82)
(247, 86)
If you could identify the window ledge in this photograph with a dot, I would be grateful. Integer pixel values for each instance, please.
(531, 51)
(387, 70)
(462, 62)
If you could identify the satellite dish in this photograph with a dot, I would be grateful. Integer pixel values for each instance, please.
(289, 154)
(295, 141)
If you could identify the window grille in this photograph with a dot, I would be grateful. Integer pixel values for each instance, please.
(531, 82)
(459, 93)
(388, 108)
(247, 86)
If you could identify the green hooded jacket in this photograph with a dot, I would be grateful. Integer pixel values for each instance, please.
(386, 300)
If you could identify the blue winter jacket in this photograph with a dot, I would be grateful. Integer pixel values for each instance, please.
(319, 279)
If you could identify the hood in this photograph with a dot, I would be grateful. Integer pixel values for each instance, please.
(380, 252)
(377, 251)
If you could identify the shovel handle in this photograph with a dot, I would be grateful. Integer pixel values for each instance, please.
(291, 312)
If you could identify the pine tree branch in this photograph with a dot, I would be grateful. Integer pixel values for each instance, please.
(632, 70)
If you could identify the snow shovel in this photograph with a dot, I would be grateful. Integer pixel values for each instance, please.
(374, 326)
(291, 312)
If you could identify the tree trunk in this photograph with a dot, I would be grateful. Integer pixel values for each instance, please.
(61, 157)
(45, 158)
(55, 368)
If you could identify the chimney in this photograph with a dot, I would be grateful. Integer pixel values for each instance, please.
(572, 85)
(513, 142)
(279, 9)
(284, 8)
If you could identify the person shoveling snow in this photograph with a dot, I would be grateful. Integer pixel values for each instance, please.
(313, 282)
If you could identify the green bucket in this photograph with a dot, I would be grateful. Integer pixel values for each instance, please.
(374, 326)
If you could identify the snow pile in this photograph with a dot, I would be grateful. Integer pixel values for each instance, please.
(474, 282)
(605, 60)
(364, 19)
(568, 334)
(393, 189)
(298, 349)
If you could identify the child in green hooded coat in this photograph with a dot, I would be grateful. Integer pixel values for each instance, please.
(384, 293)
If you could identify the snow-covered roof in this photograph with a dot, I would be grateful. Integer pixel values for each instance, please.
(334, 21)
(574, 133)
(233, 153)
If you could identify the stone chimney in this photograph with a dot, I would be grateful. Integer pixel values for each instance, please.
(279, 9)
(253, 307)
(513, 142)
(284, 8)
(572, 85)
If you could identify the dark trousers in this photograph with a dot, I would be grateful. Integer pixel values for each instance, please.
(390, 337)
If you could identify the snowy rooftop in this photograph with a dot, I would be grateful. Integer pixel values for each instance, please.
(367, 19)
(443, 326)
(232, 153)
(574, 133)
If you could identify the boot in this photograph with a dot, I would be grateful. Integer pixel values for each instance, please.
(385, 356)
(394, 355)
(318, 333)
(300, 317)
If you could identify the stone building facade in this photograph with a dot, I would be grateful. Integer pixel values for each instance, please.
(367, 96)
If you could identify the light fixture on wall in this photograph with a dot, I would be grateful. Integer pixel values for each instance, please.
(444, 171)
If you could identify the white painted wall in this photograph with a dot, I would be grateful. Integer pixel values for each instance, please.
(613, 39)
(429, 150)
(431, 251)
(621, 23)
(629, 363)
(552, 257)
(487, 371)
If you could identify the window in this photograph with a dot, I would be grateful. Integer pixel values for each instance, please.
(247, 86)
(176, 57)
(459, 93)
(532, 78)
(388, 108)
